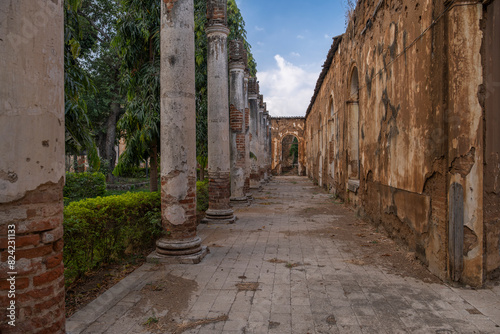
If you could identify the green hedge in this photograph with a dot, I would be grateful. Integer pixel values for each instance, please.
(202, 195)
(83, 185)
(103, 229)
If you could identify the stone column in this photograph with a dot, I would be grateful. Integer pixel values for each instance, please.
(261, 155)
(219, 188)
(31, 166)
(265, 144)
(178, 136)
(237, 65)
(247, 137)
(253, 94)
(269, 148)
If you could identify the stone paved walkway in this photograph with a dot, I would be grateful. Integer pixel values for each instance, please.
(296, 261)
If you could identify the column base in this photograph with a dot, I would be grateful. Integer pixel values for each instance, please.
(255, 185)
(240, 201)
(195, 258)
(219, 217)
(178, 251)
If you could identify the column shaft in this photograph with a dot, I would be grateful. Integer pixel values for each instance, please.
(253, 90)
(237, 65)
(178, 136)
(219, 189)
(32, 164)
(247, 138)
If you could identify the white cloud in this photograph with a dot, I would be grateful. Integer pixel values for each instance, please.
(327, 36)
(287, 89)
(294, 54)
(300, 37)
(259, 28)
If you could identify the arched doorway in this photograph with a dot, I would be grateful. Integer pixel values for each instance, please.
(290, 155)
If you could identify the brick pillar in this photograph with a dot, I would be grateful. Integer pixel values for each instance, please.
(261, 155)
(247, 137)
(253, 94)
(237, 65)
(219, 188)
(265, 145)
(178, 136)
(269, 149)
(31, 167)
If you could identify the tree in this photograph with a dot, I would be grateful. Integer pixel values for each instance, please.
(102, 64)
(138, 39)
(79, 134)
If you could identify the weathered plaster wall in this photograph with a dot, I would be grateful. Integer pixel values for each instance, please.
(281, 128)
(419, 130)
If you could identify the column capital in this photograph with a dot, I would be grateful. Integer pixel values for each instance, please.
(217, 29)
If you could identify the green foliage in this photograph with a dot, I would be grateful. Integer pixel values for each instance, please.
(138, 40)
(130, 172)
(102, 229)
(79, 134)
(202, 196)
(83, 185)
(294, 150)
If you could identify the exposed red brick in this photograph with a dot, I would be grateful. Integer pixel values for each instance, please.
(58, 245)
(21, 283)
(21, 241)
(53, 261)
(52, 236)
(39, 225)
(29, 253)
(48, 276)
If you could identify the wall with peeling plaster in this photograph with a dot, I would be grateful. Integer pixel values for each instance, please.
(419, 133)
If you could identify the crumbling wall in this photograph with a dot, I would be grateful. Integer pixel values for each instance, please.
(418, 68)
(281, 128)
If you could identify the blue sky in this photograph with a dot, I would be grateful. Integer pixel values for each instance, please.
(290, 40)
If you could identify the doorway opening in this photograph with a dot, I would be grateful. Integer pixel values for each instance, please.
(290, 156)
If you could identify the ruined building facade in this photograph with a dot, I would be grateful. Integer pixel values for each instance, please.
(404, 125)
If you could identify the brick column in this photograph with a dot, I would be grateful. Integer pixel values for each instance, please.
(219, 188)
(237, 65)
(261, 155)
(253, 94)
(178, 136)
(31, 166)
(269, 149)
(247, 137)
(266, 146)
